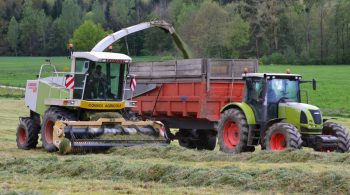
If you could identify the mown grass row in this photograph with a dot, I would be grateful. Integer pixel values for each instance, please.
(114, 167)
(164, 170)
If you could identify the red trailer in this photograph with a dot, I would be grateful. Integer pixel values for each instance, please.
(189, 94)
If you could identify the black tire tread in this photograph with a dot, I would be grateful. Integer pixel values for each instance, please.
(341, 133)
(291, 132)
(237, 116)
(31, 129)
(58, 114)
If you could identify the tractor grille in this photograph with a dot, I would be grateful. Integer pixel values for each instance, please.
(316, 115)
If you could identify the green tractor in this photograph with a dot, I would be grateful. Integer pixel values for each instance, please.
(273, 116)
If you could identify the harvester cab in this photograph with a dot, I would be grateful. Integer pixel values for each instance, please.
(85, 108)
(282, 120)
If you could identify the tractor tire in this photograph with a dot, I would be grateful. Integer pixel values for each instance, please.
(233, 132)
(281, 136)
(330, 128)
(27, 134)
(206, 140)
(50, 117)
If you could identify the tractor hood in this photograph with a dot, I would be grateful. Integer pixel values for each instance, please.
(306, 117)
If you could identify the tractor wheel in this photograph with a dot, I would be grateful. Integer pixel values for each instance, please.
(50, 117)
(281, 136)
(233, 132)
(206, 140)
(330, 128)
(27, 134)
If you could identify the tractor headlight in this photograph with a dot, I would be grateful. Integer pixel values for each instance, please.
(303, 118)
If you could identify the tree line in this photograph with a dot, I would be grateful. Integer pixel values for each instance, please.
(274, 31)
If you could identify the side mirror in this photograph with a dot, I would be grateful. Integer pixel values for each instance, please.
(313, 84)
(130, 76)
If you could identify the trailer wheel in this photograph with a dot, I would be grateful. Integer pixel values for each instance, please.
(186, 138)
(330, 128)
(281, 136)
(206, 140)
(50, 117)
(27, 134)
(233, 132)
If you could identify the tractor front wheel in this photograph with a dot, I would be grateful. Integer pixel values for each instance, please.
(27, 134)
(334, 129)
(281, 136)
(50, 117)
(233, 132)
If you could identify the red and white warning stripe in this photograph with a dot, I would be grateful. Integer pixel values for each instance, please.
(69, 82)
(133, 84)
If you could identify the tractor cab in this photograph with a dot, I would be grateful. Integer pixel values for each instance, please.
(264, 92)
(99, 76)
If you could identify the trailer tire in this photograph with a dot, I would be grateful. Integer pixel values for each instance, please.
(206, 140)
(281, 136)
(186, 138)
(50, 117)
(27, 134)
(233, 132)
(331, 128)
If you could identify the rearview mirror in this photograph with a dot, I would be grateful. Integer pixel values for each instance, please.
(313, 84)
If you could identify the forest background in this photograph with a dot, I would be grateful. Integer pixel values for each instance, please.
(274, 31)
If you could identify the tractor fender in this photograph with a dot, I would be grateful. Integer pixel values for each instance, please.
(246, 109)
(271, 122)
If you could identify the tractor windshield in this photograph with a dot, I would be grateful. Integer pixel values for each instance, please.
(100, 80)
(282, 88)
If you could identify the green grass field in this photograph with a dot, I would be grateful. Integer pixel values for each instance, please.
(164, 170)
(332, 94)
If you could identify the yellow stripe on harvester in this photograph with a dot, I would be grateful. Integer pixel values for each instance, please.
(96, 105)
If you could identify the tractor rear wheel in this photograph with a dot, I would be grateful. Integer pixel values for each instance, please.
(281, 136)
(233, 132)
(330, 128)
(27, 134)
(50, 117)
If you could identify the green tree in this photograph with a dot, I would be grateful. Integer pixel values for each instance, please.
(13, 34)
(70, 18)
(122, 13)
(87, 36)
(30, 26)
(96, 14)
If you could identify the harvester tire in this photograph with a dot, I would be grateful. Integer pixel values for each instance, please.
(206, 140)
(27, 134)
(50, 117)
(330, 128)
(233, 132)
(281, 136)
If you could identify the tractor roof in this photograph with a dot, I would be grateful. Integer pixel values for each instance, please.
(278, 75)
(102, 56)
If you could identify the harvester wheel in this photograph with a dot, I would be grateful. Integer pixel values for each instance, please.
(233, 132)
(281, 136)
(50, 117)
(27, 134)
(330, 128)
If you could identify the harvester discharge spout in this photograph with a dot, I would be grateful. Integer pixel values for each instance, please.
(110, 39)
